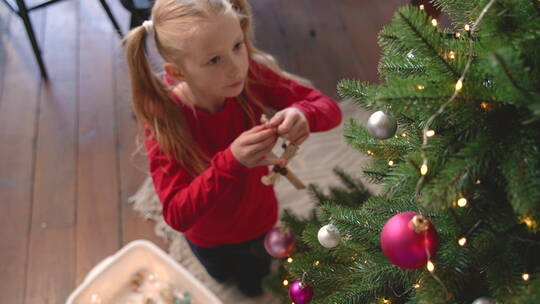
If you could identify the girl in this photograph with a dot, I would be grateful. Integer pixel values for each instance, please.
(207, 152)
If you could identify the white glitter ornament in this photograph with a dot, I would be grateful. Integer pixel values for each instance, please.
(329, 236)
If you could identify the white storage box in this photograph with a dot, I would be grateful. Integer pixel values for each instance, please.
(114, 274)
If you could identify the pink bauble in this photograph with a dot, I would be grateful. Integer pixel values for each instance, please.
(279, 242)
(300, 292)
(405, 247)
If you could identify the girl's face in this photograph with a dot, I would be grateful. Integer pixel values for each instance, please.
(216, 63)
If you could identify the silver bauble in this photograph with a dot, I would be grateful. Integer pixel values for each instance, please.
(483, 300)
(329, 236)
(381, 126)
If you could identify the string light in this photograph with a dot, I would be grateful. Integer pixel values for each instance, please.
(484, 105)
(430, 266)
(390, 163)
(316, 263)
(386, 301)
(434, 22)
(416, 285)
(285, 282)
(467, 27)
(528, 221)
(421, 7)
(478, 182)
(404, 134)
(423, 169)
(462, 202)
(462, 241)
(421, 87)
(458, 34)
(459, 84)
(525, 276)
(290, 260)
(430, 133)
(452, 55)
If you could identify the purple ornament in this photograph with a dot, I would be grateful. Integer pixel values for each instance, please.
(301, 292)
(408, 240)
(279, 242)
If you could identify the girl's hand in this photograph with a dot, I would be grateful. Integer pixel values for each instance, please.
(252, 146)
(291, 124)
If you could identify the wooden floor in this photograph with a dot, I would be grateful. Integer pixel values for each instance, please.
(66, 164)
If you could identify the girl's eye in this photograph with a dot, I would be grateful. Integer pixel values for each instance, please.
(238, 45)
(214, 60)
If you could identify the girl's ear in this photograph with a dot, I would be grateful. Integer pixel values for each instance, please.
(174, 71)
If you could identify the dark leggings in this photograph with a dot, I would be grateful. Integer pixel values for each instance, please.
(247, 263)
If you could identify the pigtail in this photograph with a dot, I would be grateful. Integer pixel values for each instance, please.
(156, 110)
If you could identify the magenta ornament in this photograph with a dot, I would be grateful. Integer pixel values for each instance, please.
(279, 242)
(300, 292)
(409, 240)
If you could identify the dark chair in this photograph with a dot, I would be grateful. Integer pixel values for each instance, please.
(22, 11)
(140, 10)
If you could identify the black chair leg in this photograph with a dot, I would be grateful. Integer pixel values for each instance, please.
(23, 12)
(113, 20)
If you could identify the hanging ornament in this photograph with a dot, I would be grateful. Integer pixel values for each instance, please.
(301, 292)
(279, 242)
(381, 126)
(409, 240)
(329, 236)
(483, 300)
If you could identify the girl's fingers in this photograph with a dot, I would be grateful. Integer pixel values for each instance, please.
(265, 146)
(266, 161)
(259, 136)
(287, 124)
(276, 120)
(301, 139)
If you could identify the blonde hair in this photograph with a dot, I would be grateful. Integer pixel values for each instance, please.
(152, 102)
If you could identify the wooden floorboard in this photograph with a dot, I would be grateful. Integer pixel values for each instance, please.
(51, 261)
(18, 119)
(66, 164)
(98, 216)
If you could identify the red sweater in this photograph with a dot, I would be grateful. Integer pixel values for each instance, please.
(227, 203)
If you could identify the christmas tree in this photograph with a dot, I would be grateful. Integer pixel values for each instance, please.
(455, 139)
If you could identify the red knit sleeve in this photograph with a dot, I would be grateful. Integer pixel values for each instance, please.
(185, 200)
(322, 112)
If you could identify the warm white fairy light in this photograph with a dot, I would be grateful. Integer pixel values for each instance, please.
(467, 27)
(462, 241)
(458, 34)
(478, 182)
(290, 260)
(421, 87)
(462, 202)
(528, 221)
(390, 163)
(316, 263)
(452, 55)
(459, 85)
(421, 7)
(430, 133)
(423, 169)
(416, 285)
(525, 276)
(285, 282)
(434, 22)
(404, 134)
(430, 266)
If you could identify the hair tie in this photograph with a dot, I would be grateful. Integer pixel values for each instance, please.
(148, 26)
